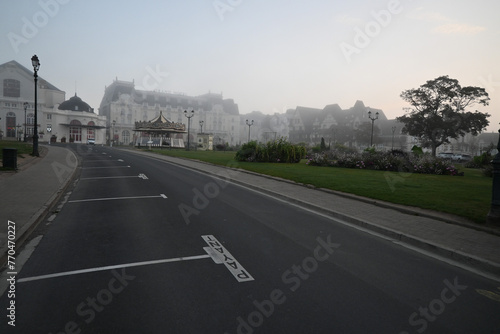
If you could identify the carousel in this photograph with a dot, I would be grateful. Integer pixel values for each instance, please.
(159, 132)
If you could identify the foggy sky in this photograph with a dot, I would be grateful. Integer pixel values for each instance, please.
(266, 55)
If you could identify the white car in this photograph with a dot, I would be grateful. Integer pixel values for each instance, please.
(445, 155)
(90, 141)
(461, 157)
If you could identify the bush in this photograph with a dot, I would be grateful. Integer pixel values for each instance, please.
(391, 161)
(273, 151)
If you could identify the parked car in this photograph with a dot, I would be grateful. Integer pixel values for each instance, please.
(445, 155)
(461, 157)
(90, 141)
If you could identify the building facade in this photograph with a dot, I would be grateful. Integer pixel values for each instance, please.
(123, 105)
(71, 120)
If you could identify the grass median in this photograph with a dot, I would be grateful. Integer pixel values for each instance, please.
(468, 196)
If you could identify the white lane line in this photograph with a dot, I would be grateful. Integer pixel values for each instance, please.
(100, 160)
(141, 176)
(118, 266)
(223, 256)
(116, 198)
(106, 167)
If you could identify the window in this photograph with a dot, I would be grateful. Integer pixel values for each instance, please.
(30, 119)
(125, 137)
(91, 130)
(75, 131)
(11, 124)
(11, 88)
(49, 116)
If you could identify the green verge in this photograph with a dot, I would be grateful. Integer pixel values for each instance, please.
(22, 148)
(468, 196)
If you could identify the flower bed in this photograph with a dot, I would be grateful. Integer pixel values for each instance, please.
(385, 161)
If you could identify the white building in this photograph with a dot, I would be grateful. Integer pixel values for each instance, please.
(72, 120)
(123, 105)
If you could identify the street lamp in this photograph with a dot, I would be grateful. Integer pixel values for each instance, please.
(36, 66)
(26, 104)
(249, 125)
(189, 115)
(201, 125)
(112, 139)
(373, 121)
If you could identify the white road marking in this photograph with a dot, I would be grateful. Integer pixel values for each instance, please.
(106, 167)
(141, 176)
(212, 254)
(229, 261)
(116, 198)
(118, 266)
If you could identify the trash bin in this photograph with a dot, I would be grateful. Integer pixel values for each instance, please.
(9, 158)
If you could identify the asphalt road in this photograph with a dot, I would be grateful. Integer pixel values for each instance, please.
(144, 246)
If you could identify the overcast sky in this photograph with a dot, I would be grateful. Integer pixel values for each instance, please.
(267, 55)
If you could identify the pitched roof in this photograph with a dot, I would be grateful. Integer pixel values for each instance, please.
(42, 82)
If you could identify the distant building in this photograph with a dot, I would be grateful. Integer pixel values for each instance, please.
(335, 125)
(57, 119)
(123, 105)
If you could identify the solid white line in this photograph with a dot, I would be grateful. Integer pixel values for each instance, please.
(116, 198)
(109, 177)
(106, 167)
(118, 266)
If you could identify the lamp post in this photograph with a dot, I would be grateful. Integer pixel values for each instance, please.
(201, 126)
(373, 121)
(112, 139)
(494, 214)
(393, 130)
(249, 125)
(26, 104)
(36, 66)
(189, 115)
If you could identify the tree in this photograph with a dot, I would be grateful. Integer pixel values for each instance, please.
(439, 114)
(323, 144)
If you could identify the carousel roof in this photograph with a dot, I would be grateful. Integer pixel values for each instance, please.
(160, 124)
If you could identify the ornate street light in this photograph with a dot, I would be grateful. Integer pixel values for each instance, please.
(189, 115)
(36, 66)
(249, 125)
(26, 104)
(373, 121)
(201, 126)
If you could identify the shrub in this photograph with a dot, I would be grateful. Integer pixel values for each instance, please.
(273, 151)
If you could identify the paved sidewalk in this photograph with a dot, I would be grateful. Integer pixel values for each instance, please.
(27, 195)
(445, 235)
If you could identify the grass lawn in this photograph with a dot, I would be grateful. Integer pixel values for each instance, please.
(467, 196)
(22, 148)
